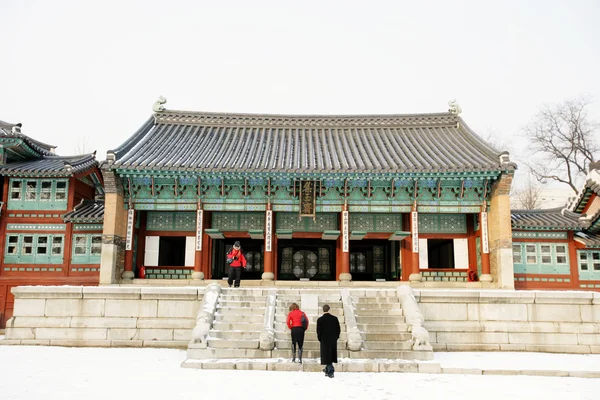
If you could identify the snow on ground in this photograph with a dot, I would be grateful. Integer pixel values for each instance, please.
(520, 361)
(28, 373)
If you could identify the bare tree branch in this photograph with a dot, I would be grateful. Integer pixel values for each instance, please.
(562, 140)
(529, 196)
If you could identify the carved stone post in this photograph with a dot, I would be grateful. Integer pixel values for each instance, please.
(114, 229)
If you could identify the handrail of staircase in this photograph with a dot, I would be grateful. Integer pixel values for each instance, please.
(206, 315)
(355, 340)
(267, 335)
(414, 318)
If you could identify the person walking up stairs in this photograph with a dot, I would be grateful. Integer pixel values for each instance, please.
(297, 322)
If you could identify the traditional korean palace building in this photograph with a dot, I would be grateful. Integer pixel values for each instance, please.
(560, 248)
(50, 225)
(319, 198)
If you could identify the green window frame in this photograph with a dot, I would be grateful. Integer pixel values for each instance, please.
(38, 194)
(86, 248)
(589, 265)
(34, 248)
(541, 258)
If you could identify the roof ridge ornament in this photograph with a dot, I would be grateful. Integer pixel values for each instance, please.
(454, 107)
(158, 104)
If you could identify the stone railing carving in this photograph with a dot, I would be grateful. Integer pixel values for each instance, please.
(414, 319)
(267, 336)
(355, 340)
(206, 315)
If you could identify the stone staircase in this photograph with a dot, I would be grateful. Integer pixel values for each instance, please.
(240, 318)
(384, 329)
(283, 340)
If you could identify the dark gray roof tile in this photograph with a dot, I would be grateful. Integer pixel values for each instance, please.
(51, 166)
(86, 211)
(554, 218)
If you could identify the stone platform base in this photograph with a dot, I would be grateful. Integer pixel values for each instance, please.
(423, 367)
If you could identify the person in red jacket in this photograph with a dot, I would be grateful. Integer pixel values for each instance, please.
(297, 321)
(236, 261)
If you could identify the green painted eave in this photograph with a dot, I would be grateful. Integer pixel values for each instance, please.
(158, 173)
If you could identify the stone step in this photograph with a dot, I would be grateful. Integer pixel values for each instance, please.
(377, 313)
(376, 328)
(237, 326)
(381, 345)
(239, 318)
(237, 297)
(282, 327)
(240, 310)
(233, 343)
(309, 335)
(372, 300)
(242, 304)
(391, 354)
(243, 292)
(227, 353)
(311, 318)
(286, 353)
(308, 345)
(234, 334)
(391, 319)
(377, 306)
(386, 336)
(334, 311)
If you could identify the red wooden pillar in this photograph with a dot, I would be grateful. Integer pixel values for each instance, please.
(268, 274)
(128, 272)
(206, 260)
(415, 275)
(486, 275)
(3, 217)
(573, 261)
(345, 275)
(198, 274)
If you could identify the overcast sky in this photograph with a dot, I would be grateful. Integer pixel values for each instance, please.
(88, 72)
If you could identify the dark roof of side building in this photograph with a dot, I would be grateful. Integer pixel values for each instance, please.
(219, 142)
(590, 240)
(51, 166)
(86, 211)
(555, 218)
(8, 130)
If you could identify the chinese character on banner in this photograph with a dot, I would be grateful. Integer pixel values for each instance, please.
(307, 198)
(345, 236)
(484, 233)
(129, 238)
(415, 231)
(268, 230)
(199, 215)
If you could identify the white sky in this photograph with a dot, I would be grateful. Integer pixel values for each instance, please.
(77, 72)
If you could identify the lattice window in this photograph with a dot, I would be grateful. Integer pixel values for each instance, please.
(589, 265)
(546, 251)
(57, 245)
(254, 261)
(324, 221)
(171, 221)
(442, 223)
(286, 260)
(238, 221)
(31, 191)
(86, 248)
(561, 254)
(37, 194)
(15, 189)
(13, 245)
(61, 191)
(33, 249)
(531, 254)
(378, 259)
(46, 191)
(324, 264)
(358, 262)
(517, 257)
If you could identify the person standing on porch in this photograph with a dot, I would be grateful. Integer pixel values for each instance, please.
(297, 321)
(236, 261)
(328, 333)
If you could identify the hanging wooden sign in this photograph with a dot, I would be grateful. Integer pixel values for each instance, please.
(129, 237)
(308, 203)
(414, 216)
(484, 233)
(345, 236)
(199, 218)
(268, 230)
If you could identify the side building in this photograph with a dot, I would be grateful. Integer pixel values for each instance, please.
(50, 222)
(560, 248)
(318, 198)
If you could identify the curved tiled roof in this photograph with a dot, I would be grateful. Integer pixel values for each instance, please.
(6, 131)
(218, 142)
(555, 218)
(51, 166)
(86, 211)
(590, 240)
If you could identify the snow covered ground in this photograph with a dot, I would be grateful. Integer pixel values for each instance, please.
(49, 373)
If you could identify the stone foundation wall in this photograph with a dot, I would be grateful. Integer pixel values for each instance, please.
(104, 316)
(496, 320)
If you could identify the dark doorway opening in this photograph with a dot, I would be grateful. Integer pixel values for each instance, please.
(253, 250)
(311, 259)
(369, 260)
(440, 253)
(171, 251)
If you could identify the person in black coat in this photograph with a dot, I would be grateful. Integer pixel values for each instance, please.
(328, 333)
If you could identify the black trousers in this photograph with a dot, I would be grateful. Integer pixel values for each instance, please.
(297, 337)
(235, 273)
